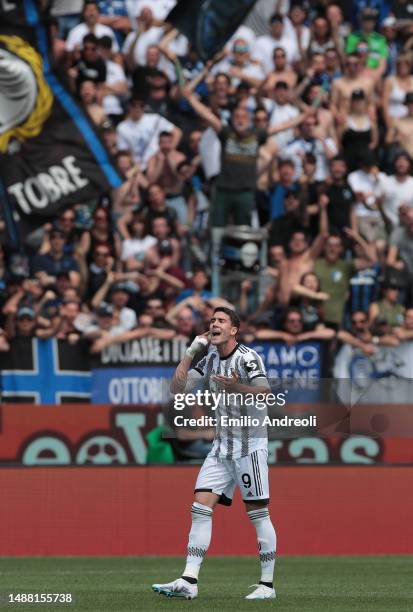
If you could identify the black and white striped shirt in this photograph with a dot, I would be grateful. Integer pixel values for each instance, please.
(233, 442)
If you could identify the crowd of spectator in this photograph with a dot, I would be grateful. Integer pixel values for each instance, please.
(302, 125)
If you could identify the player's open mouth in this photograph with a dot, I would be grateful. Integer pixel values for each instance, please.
(215, 333)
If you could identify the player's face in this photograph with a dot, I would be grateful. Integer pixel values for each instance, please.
(221, 329)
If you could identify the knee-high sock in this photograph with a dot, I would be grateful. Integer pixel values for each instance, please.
(199, 538)
(267, 541)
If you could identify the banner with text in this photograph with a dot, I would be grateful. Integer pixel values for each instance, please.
(299, 367)
(136, 372)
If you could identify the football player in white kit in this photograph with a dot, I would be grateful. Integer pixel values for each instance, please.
(237, 458)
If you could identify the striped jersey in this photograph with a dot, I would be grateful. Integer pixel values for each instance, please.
(234, 441)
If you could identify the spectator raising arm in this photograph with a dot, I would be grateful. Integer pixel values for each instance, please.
(202, 110)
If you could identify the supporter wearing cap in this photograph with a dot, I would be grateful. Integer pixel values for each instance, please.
(115, 86)
(119, 299)
(23, 325)
(358, 133)
(116, 292)
(104, 324)
(282, 109)
(139, 132)
(264, 46)
(377, 48)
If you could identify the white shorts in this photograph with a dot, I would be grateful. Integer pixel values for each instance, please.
(250, 473)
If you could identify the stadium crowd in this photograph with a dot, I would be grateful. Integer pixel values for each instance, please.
(302, 126)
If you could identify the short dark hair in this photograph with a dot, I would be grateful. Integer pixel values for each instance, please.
(285, 162)
(225, 75)
(276, 17)
(164, 134)
(90, 38)
(289, 310)
(105, 42)
(338, 158)
(182, 164)
(235, 320)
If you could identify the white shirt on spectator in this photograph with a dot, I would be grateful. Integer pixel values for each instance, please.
(114, 74)
(279, 114)
(250, 69)
(145, 40)
(159, 8)
(76, 36)
(127, 318)
(264, 46)
(210, 151)
(137, 247)
(368, 184)
(298, 146)
(395, 193)
(290, 32)
(141, 137)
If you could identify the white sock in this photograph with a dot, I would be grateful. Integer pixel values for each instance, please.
(267, 541)
(199, 538)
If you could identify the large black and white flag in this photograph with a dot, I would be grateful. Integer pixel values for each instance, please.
(50, 155)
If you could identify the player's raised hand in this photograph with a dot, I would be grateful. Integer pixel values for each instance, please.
(198, 344)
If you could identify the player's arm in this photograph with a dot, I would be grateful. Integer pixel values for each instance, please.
(180, 378)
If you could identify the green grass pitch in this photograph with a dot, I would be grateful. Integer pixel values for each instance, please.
(305, 584)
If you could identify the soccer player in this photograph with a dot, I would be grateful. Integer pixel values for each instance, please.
(238, 457)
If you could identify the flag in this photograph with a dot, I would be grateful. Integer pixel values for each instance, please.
(45, 372)
(208, 24)
(50, 155)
